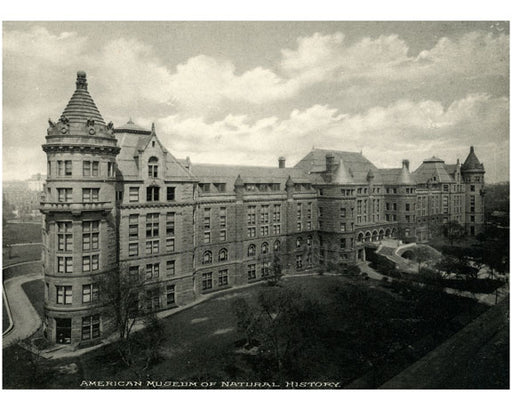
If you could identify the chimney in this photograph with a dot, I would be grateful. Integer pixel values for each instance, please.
(329, 162)
(282, 162)
(405, 164)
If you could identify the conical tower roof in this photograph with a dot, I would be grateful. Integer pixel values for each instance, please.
(472, 162)
(81, 106)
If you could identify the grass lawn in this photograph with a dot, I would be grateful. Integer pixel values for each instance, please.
(385, 324)
(5, 318)
(35, 293)
(13, 271)
(19, 254)
(21, 233)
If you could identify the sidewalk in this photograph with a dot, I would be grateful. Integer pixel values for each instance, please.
(26, 320)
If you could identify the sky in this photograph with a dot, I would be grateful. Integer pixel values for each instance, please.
(249, 92)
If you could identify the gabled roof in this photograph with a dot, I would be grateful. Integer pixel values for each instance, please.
(131, 127)
(81, 106)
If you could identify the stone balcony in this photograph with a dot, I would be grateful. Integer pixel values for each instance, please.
(75, 208)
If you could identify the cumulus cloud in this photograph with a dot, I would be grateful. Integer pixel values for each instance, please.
(418, 129)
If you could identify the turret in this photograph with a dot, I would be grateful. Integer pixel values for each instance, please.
(79, 227)
(472, 171)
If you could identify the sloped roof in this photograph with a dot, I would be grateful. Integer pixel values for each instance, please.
(472, 162)
(430, 168)
(131, 127)
(81, 106)
(352, 167)
(132, 144)
(450, 169)
(216, 173)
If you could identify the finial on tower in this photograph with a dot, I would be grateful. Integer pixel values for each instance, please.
(81, 80)
(153, 129)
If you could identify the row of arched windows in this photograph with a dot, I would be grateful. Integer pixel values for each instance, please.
(251, 249)
(208, 258)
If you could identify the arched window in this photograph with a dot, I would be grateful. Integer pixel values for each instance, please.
(299, 242)
(360, 237)
(277, 246)
(264, 248)
(223, 255)
(153, 167)
(251, 250)
(207, 258)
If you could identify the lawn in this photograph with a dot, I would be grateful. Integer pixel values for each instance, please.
(24, 253)
(361, 325)
(5, 317)
(13, 271)
(21, 233)
(35, 293)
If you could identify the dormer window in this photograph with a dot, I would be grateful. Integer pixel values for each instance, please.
(153, 167)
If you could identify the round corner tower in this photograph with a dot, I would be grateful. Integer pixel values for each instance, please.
(472, 172)
(79, 219)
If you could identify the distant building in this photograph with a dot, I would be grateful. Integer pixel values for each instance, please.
(117, 197)
(36, 182)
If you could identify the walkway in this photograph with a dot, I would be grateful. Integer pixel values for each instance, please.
(26, 320)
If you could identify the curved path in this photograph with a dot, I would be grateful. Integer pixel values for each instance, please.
(26, 320)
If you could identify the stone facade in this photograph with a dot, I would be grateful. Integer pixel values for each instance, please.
(116, 200)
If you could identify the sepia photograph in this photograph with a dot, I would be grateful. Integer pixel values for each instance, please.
(263, 205)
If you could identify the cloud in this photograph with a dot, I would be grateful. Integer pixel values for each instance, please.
(385, 134)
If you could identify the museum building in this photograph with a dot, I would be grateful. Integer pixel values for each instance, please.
(117, 200)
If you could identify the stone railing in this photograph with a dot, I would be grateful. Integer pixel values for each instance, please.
(75, 207)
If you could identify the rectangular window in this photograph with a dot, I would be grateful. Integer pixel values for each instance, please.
(133, 272)
(171, 268)
(64, 295)
(170, 292)
(64, 237)
(95, 168)
(133, 227)
(90, 327)
(152, 225)
(171, 193)
(86, 167)
(90, 235)
(152, 247)
(222, 217)
(152, 194)
(251, 215)
(65, 264)
(264, 214)
(153, 299)
(251, 271)
(251, 232)
(68, 170)
(206, 237)
(223, 235)
(265, 269)
(65, 194)
(276, 217)
(90, 293)
(207, 281)
(133, 195)
(299, 226)
(277, 229)
(153, 170)
(343, 212)
(90, 194)
(152, 270)
(204, 187)
(223, 277)
(169, 224)
(90, 263)
(169, 244)
(342, 227)
(264, 230)
(206, 218)
(110, 169)
(308, 225)
(133, 249)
